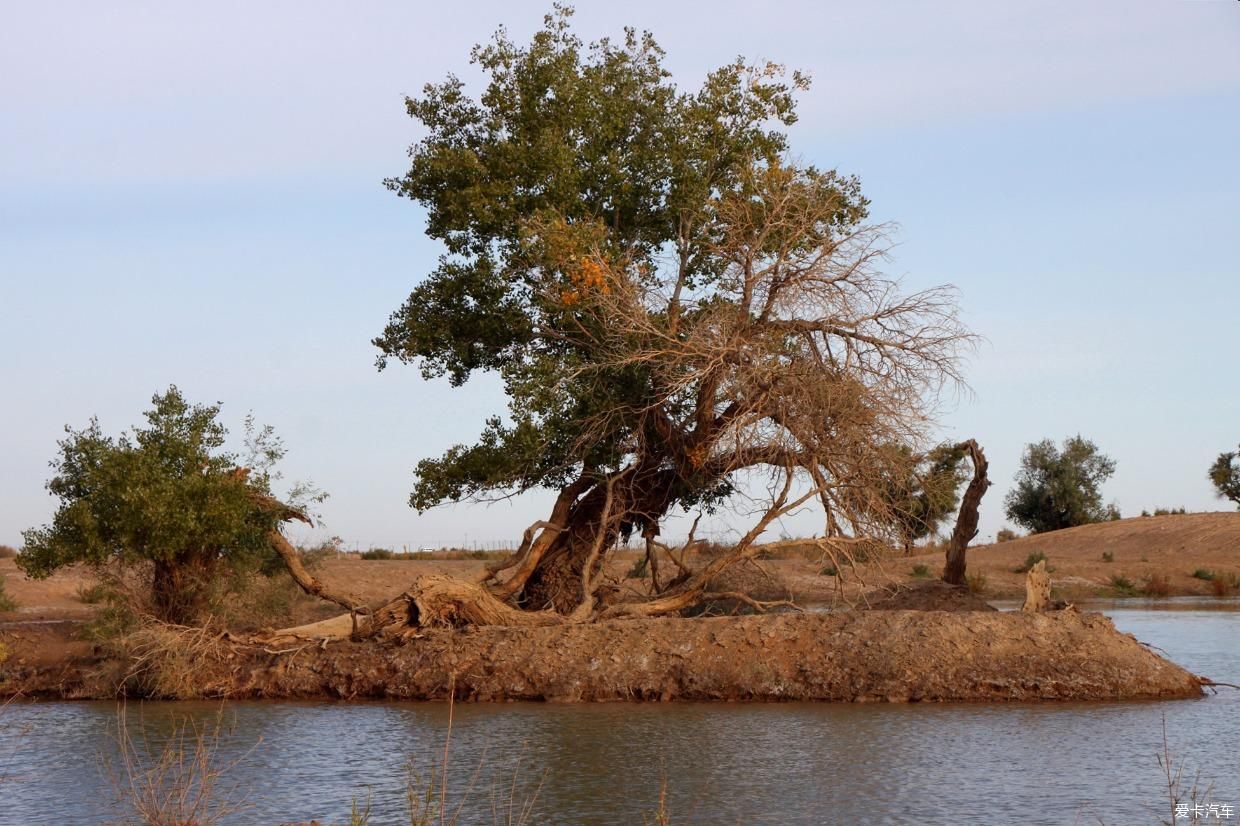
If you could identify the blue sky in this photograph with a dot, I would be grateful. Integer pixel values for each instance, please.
(191, 193)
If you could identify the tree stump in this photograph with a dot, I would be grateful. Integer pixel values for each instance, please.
(1037, 589)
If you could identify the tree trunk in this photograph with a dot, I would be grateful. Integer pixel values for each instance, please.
(1037, 589)
(966, 520)
(179, 586)
(638, 499)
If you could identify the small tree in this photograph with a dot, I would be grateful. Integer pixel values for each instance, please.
(1225, 475)
(929, 494)
(167, 494)
(1060, 488)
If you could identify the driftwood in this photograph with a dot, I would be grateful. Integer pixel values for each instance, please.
(1037, 589)
(966, 520)
(438, 601)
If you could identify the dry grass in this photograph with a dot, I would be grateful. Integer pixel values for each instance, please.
(7, 603)
(1156, 585)
(177, 782)
(167, 661)
(7, 552)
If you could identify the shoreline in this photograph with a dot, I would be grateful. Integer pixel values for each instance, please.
(856, 656)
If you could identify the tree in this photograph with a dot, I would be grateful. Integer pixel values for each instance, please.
(1060, 488)
(1225, 476)
(672, 305)
(923, 500)
(166, 494)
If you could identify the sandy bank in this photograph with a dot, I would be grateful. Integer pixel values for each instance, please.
(885, 656)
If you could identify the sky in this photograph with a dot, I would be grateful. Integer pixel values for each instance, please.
(191, 193)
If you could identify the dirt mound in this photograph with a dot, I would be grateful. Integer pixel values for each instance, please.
(859, 656)
(933, 595)
(1086, 561)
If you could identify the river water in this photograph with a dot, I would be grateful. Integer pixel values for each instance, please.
(721, 763)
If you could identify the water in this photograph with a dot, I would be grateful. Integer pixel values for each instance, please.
(723, 764)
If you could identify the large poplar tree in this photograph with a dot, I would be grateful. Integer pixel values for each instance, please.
(669, 300)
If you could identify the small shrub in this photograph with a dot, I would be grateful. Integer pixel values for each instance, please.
(976, 582)
(829, 570)
(7, 603)
(7, 552)
(1006, 535)
(1031, 560)
(1107, 556)
(92, 594)
(639, 569)
(1219, 587)
(1156, 585)
(1123, 585)
(921, 571)
(378, 553)
(1168, 511)
(1204, 574)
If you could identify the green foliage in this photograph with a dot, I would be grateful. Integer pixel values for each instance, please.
(1224, 474)
(1032, 559)
(1123, 585)
(1203, 574)
(640, 569)
(93, 594)
(930, 493)
(1058, 489)
(571, 150)
(920, 571)
(165, 494)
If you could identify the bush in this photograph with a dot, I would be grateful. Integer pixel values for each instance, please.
(7, 603)
(379, 553)
(92, 594)
(7, 552)
(1156, 585)
(1031, 560)
(921, 571)
(829, 570)
(1123, 585)
(1204, 574)
(639, 569)
(1223, 584)
(976, 582)
(1006, 535)
(1107, 556)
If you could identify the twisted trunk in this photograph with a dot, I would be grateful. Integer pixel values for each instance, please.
(639, 498)
(966, 520)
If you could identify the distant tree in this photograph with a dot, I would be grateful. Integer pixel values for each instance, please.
(922, 501)
(167, 494)
(1060, 488)
(1006, 535)
(1225, 475)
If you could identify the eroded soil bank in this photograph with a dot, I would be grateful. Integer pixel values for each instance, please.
(862, 656)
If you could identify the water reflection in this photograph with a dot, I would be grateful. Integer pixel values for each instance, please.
(752, 764)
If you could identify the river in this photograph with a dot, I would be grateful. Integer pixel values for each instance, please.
(721, 763)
